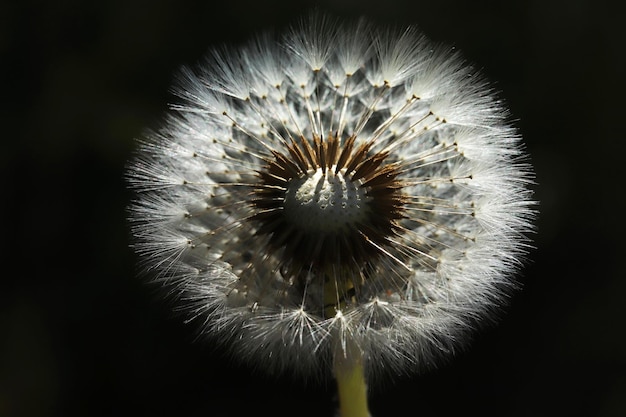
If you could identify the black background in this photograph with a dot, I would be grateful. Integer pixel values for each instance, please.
(80, 335)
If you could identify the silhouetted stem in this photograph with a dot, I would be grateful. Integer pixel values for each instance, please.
(351, 384)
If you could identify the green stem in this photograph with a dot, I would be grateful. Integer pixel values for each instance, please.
(351, 384)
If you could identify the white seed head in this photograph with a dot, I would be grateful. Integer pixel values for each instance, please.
(341, 186)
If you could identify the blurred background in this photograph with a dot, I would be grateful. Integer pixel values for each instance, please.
(80, 335)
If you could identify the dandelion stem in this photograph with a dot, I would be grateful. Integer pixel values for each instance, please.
(351, 384)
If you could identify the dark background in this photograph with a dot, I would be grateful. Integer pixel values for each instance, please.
(80, 335)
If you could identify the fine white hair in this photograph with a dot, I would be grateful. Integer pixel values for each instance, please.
(462, 178)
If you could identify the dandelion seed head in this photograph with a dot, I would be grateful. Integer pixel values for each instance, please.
(341, 186)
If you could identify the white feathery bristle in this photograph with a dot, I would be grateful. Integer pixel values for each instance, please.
(413, 203)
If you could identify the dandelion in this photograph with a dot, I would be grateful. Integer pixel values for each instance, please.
(343, 199)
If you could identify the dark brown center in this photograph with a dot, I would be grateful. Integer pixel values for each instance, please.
(327, 205)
